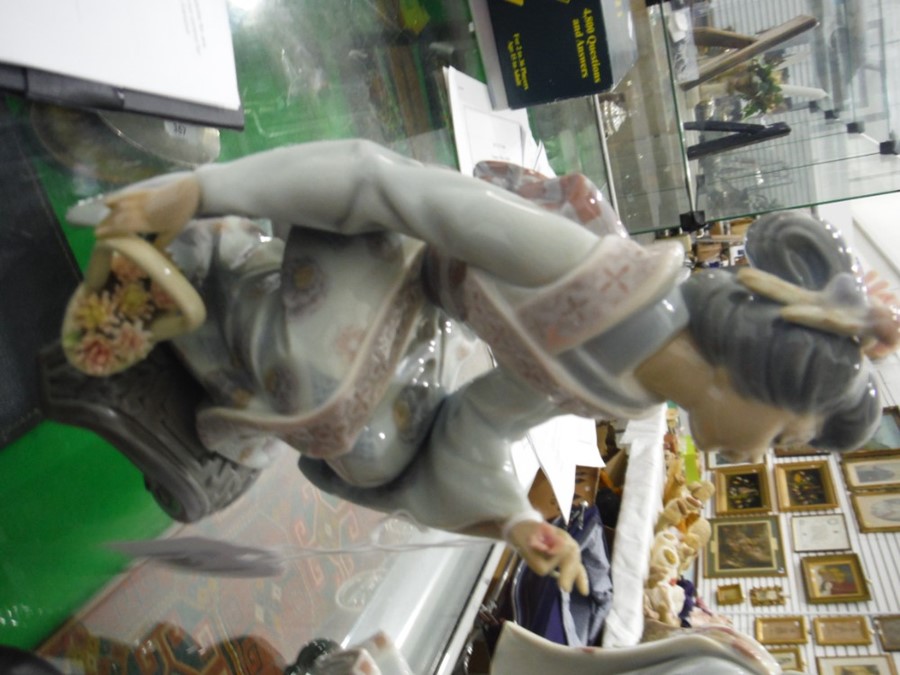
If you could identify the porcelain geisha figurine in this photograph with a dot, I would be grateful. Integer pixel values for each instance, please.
(335, 333)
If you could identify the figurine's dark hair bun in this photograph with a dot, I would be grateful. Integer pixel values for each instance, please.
(800, 249)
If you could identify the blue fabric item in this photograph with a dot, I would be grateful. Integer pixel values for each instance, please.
(690, 593)
(568, 618)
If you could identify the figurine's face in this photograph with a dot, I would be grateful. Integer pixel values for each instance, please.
(743, 429)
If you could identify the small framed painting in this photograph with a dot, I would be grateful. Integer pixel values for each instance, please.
(877, 472)
(805, 486)
(781, 630)
(742, 489)
(789, 658)
(888, 629)
(887, 436)
(850, 665)
(877, 511)
(826, 532)
(834, 578)
(842, 630)
(730, 594)
(766, 596)
(742, 547)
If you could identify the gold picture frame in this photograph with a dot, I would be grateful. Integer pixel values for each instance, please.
(789, 658)
(729, 594)
(742, 489)
(877, 511)
(842, 630)
(872, 472)
(887, 436)
(878, 664)
(805, 486)
(766, 596)
(834, 578)
(887, 627)
(744, 547)
(781, 630)
(797, 451)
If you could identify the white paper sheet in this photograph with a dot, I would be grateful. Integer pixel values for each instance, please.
(483, 133)
(175, 48)
(559, 446)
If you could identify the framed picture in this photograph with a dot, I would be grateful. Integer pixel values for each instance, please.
(888, 629)
(715, 460)
(742, 489)
(789, 658)
(842, 630)
(834, 578)
(887, 436)
(798, 451)
(872, 472)
(781, 630)
(741, 547)
(805, 486)
(850, 665)
(767, 595)
(877, 511)
(731, 594)
(827, 532)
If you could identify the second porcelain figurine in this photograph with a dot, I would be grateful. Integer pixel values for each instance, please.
(342, 323)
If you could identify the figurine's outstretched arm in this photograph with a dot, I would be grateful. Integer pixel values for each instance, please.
(463, 479)
(545, 548)
(353, 187)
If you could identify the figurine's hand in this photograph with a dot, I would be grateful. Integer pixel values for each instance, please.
(161, 210)
(879, 289)
(546, 548)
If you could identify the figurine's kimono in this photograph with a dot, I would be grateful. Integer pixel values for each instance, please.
(340, 334)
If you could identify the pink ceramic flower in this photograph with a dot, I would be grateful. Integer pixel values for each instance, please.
(94, 354)
(131, 342)
(125, 269)
(160, 298)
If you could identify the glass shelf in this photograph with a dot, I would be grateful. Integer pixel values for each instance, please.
(839, 83)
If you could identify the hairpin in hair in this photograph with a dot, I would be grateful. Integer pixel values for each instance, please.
(841, 308)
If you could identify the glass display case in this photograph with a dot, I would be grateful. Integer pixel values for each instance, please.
(373, 69)
(816, 79)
